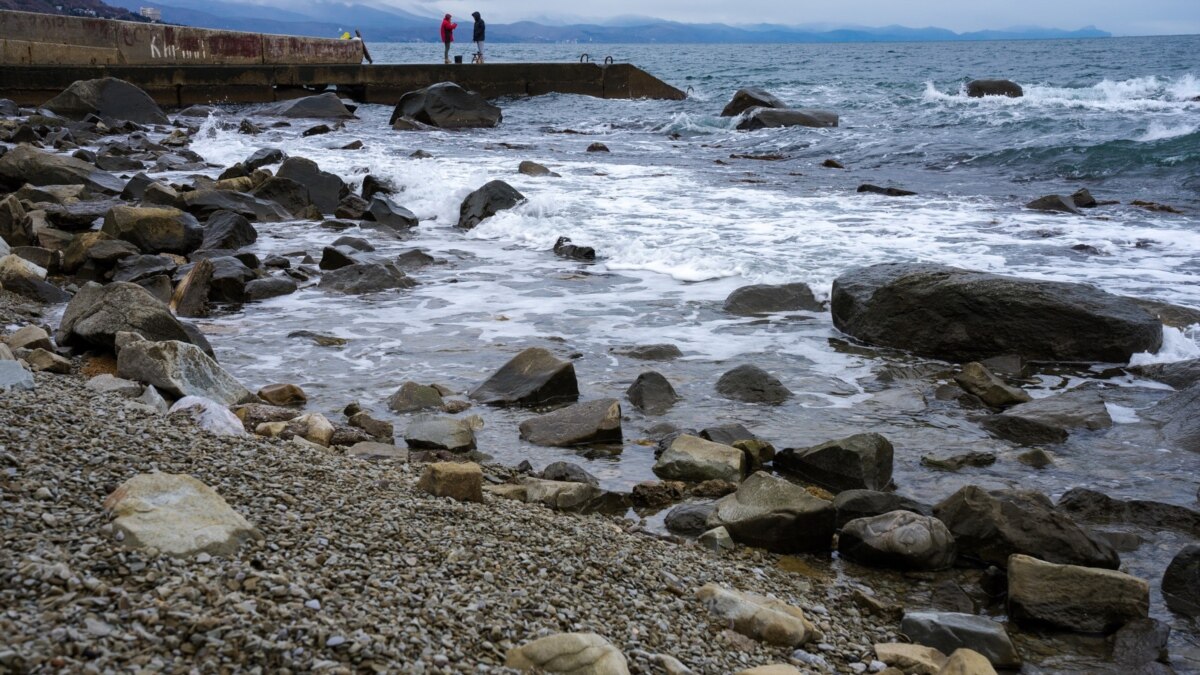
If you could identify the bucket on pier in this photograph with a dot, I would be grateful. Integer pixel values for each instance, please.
(458, 58)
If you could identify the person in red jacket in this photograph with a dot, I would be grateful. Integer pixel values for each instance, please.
(448, 35)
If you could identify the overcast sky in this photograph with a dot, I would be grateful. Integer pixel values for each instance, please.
(1121, 17)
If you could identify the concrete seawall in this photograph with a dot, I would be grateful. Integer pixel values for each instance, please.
(188, 85)
(27, 38)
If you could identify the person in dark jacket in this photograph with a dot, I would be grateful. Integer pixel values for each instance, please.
(477, 37)
(448, 35)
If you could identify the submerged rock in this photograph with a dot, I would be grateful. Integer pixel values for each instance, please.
(765, 118)
(363, 278)
(981, 88)
(752, 384)
(1050, 419)
(750, 97)
(487, 201)
(766, 299)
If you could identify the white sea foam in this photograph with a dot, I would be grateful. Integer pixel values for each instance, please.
(1161, 131)
(1178, 345)
(1140, 94)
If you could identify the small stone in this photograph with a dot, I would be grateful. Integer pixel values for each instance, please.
(283, 395)
(461, 481)
(313, 604)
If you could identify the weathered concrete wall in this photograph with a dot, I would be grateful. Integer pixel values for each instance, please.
(187, 85)
(51, 39)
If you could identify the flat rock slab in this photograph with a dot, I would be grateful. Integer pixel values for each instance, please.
(949, 631)
(580, 424)
(1050, 419)
(177, 515)
(1076, 598)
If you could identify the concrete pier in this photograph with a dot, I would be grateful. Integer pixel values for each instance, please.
(42, 54)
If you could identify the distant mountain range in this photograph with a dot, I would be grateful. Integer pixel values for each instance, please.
(380, 24)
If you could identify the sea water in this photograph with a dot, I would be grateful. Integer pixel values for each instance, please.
(680, 218)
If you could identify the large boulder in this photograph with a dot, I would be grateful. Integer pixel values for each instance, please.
(26, 164)
(154, 230)
(287, 193)
(447, 106)
(950, 631)
(571, 653)
(107, 97)
(204, 203)
(578, 424)
(769, 118)
(766, 298)
(962, 315)
(772, 513)
(1073, 597)
(694, 459)
(858, 462)
(750, 97)
(981, 88)
(97, 313)
(226, 230)
(535, 377)
(652, 393)
(177, 515)
(757, 617)
(324, 189)
(852, 504)
(487, 201)
(325, 106)
(752, 384)
(180, 369)
(390, 215)
(991, 526)
(363, 278)
(1181, 582)
(1050, 419)
(900, 540)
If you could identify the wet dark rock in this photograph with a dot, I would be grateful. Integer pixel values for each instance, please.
(898, 540)
(534, 169)
(991, 526)
(1050, 419)
(652, 393)
(1059, 203)
(885, 191)
(154, 229)
(414, 260)
(1141, 642)
(138, 267)
(270, 287)
(565, 249)
(1176, 316)
(727, 434)
(117, 164)
(861, 461)
(366, 278)
(1181, 582)
(768, 118)
(447, 106)
(356, 243)
(97, 313)
(337, 257)
(689, 519)
(772, 513)
(324, 189)
(1097, 507)
(597, 147)
(752, 384)
(276, 261)
(107, 97)
(16, 228)
(264, 157)
(8, 108)
(78, 216)
(390, 215)
(228, 230)
(51, 261)
(961, 315)
(372, 186)
(412, 396)
(289, 194)
(765, 299)
(487, 201)
(352, 206)
(568, 472)
(352, 145)
(950, 631)
(657, 493)
(958, 461)
(832, 164)
(750, 97)
(326, 105)
(588, 423)
(981, 88)
(1179, 415)
(978, 381)
(229, 279)
(661, 352)
(1082, 198)
(203, 203)
(852, 504)
(318, 339)
(26, 164)
(317, 130)
(534, 377)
